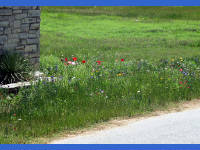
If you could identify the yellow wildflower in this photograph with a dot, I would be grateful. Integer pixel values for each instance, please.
(119, 74)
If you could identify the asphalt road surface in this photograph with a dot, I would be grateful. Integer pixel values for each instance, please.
(173, 128)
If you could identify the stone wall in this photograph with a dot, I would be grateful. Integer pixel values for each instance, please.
(20, 31)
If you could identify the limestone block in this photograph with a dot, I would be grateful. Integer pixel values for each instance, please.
(23, 42)
(12, 41)
(30, 48)
(24, 27)
(22, 7)
(17, 24)
(38, 20)
(4, 18)
(29, 20)
(23, 35)
(34, 32)
(32, 41)
(3, 38)
(16, 30)
(35, 26)
(20, 47)
(17, 11)
(31, 36)
(7, 31)
(25, 11)
(4, 23)
(20, 16)
(13, 36)
(10, 46)
(34, 13)
(11, 19)
(5, 12)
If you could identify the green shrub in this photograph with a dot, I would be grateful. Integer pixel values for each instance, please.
(14, 68)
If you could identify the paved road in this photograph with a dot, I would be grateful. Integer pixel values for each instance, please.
(180, 128)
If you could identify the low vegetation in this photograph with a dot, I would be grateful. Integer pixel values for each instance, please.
(108, 65)
(14, 68)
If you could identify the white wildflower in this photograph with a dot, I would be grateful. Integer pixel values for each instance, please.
(102, 91)
(73, 63)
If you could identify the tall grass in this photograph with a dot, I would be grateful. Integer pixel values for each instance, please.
(151, 40)
(161, 12)
(89, 93)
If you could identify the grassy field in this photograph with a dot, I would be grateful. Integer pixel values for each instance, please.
(138, 37)
(130, 60)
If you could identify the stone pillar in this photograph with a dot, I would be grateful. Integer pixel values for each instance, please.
(20, 31)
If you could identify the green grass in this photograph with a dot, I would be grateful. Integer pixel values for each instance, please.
(70, 34)
(153, 12)
(89, 93)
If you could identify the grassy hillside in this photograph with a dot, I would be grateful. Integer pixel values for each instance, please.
(149, 32)
(162, 12)
(110, 62)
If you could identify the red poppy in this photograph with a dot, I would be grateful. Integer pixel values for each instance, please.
(180, 82)
(99, 62)
(83, 61)
(122, 59)
(65, 59)
(181, 69)
(74, 59)
(14, 129)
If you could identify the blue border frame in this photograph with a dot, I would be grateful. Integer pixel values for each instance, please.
(100, 2)
(99, 147)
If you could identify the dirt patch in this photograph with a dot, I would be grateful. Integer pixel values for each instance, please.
(171, 108)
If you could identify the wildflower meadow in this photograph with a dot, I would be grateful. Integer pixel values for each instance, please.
(106, 66)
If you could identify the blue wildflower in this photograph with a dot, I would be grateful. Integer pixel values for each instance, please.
(185, 73)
